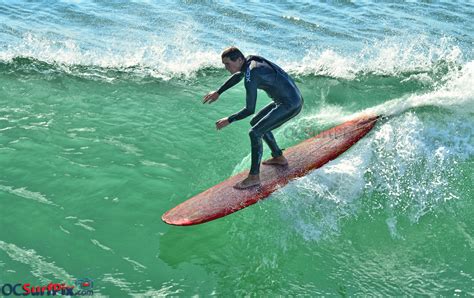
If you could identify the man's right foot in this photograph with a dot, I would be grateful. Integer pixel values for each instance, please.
(279, 161)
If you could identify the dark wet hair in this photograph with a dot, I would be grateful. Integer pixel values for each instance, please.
(232, 53)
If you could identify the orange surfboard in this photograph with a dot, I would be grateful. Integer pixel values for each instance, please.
(223, 199)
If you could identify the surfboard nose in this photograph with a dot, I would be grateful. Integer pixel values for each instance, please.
(171, 219)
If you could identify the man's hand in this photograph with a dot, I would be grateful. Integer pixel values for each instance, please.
(211, 97)
(221, 123)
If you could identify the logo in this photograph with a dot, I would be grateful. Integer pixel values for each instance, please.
(83, 287)
(247, 74)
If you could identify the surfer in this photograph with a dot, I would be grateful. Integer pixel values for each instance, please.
(286, 103)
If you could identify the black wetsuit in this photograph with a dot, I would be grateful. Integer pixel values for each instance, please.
(287, 102)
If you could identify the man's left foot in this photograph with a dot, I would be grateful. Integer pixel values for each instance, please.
(251, 180)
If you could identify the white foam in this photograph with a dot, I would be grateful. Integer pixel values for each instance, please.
(102, 246)
(40, 268)
(326, 63)
(184, 54)
(116, 280)
(389, 56)
(457, 94)
(408, 163)
(168, 288)
(22, 192)
(176, 57)
(136, 265)
(316, 204)
(417, 160)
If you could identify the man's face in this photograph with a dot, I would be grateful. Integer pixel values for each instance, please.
(232, 66)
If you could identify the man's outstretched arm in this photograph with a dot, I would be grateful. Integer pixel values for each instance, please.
(231, 82)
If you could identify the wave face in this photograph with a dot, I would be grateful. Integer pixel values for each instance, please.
(102, 130)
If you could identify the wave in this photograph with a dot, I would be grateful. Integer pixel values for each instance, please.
(411, 166)
(390, 56)
(456, 94)
(144, 60)
(181, 58)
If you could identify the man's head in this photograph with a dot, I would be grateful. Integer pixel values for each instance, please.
(233, 59)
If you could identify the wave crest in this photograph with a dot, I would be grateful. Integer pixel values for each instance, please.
(183, 56)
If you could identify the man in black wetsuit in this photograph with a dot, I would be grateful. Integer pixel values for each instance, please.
(287, 102)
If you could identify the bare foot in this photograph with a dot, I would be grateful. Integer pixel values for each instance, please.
(280, 161)
(251, 180)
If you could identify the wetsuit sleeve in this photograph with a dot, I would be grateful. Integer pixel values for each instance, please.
(231, 82)
(250, 100)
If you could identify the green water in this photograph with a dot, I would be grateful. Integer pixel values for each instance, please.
(102, 130)
(89, 166)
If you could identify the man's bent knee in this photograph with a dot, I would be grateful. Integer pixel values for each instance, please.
(254, 134)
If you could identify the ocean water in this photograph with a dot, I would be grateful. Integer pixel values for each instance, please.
(102, 130)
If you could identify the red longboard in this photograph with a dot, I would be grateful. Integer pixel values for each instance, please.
(223, 199)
